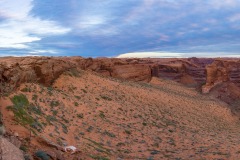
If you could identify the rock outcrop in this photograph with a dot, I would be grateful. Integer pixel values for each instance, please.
(8, 151)
(136, 72)
(221, 71)
(45, 70)
(190, 72)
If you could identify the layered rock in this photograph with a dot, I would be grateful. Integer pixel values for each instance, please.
(8, 151)
(135, 72)
(221, 71)
(45, 70)
(190, 72)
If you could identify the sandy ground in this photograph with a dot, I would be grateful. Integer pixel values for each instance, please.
(114, 119)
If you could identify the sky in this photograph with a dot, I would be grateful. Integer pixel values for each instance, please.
(120, 28)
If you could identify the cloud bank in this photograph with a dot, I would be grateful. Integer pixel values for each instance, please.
(18, 28)
(110, 28)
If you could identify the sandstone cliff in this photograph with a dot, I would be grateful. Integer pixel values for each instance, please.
(221, 71)
(45, 70)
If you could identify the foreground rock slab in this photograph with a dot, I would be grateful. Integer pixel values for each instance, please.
(8, 151)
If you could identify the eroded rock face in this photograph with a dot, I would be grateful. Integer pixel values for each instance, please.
(136, 72)
(187, 71)
(191, 72)
(221, 71)
(45, 70)
(8, 151)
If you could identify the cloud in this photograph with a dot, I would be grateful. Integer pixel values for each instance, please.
(111, 27)
(150, 55)
(220, 4)
(91, 21)
(176, 55)
(15, 9)
(19, 28)
(234, 18)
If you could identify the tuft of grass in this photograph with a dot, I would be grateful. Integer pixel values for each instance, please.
(76, 104)
(23, 148)
(128, 132)
(110, 134)
(99, 157)
(64, 128)
(55, 112)
(80, 115)
(54, 103)
(101, 114)
(84, 90)
(34, 97)
(73, 73)
(35, 109)
(78, 97)
(106, 98)
(51, 118)
(26, 89)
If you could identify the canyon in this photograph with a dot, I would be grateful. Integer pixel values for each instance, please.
(121, 108)
(205, 73)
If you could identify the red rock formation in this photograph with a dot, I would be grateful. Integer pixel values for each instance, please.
(136, 72)
(189, 71)
(221, 71)
(8, 151)
(45, 70)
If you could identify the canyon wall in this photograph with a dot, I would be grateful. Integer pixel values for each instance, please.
(193, 72)
(45, 70)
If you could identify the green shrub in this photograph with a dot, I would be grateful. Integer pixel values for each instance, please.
(42, 155)
(19, 108)
(20, 100)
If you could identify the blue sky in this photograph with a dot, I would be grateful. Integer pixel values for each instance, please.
(110, 28)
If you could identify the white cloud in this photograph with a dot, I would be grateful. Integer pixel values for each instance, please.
(91, 21)
(150, 55)
(39, 52)
(94, 25)
(177, 55)
(218, 4)
(20, 27)
(15, 9)
(234, 18)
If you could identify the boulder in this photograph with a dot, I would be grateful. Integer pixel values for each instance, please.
(9, 152)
